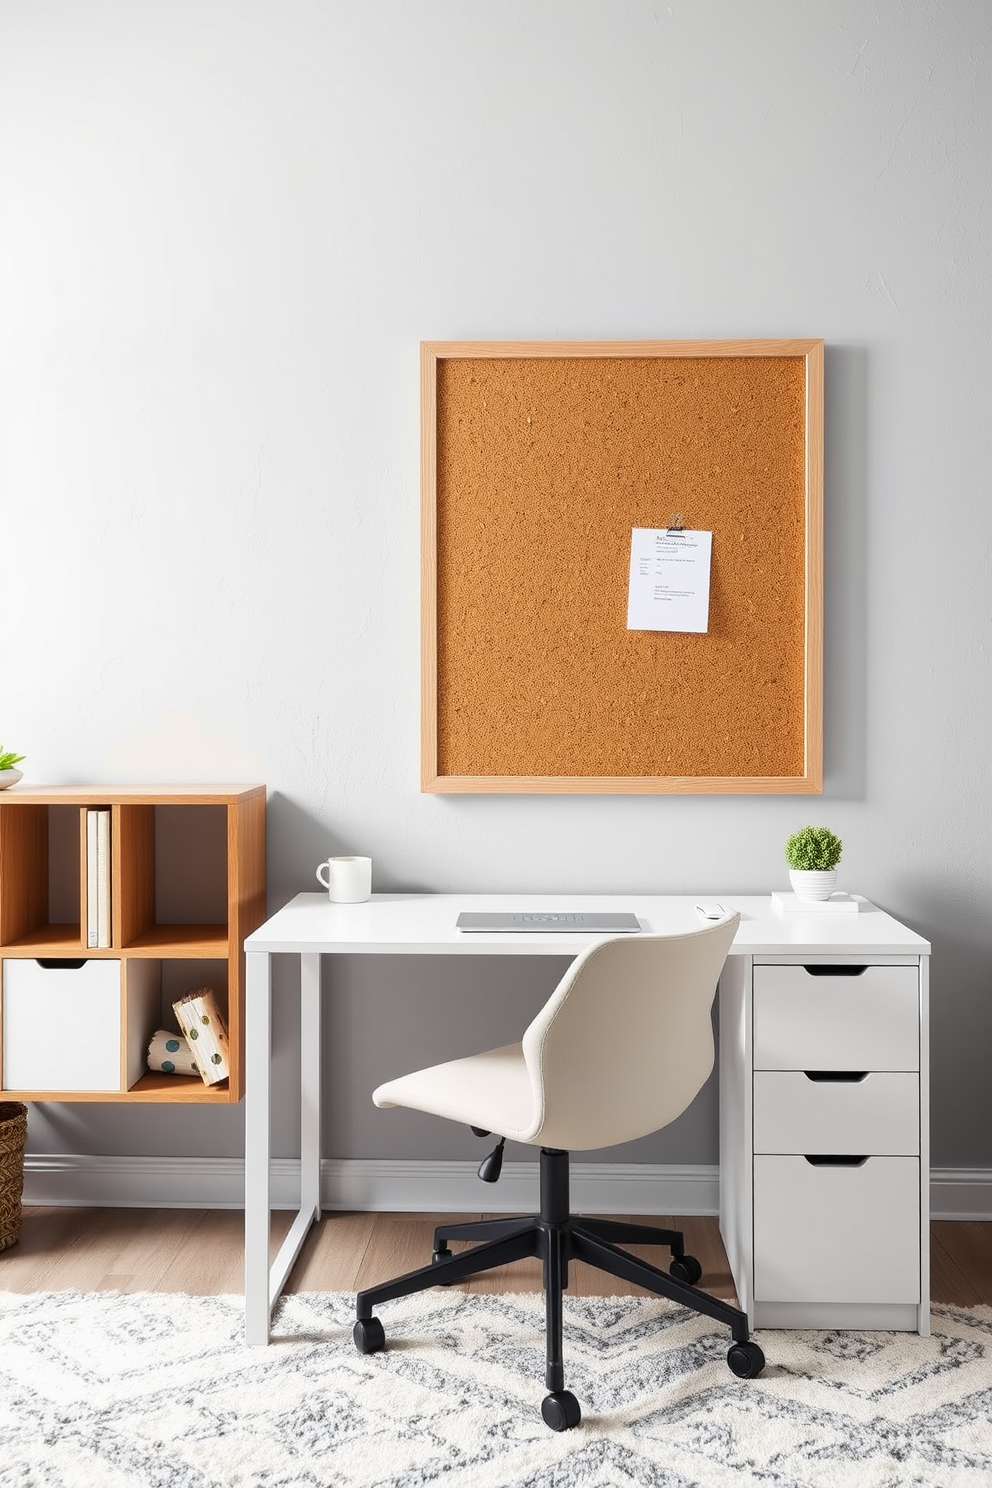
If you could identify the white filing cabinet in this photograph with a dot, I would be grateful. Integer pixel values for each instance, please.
(824, 1200)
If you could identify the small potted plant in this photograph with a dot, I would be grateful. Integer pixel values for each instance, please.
(8, 775)
(812, 854)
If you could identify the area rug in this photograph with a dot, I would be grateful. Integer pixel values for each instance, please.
(114, 1390)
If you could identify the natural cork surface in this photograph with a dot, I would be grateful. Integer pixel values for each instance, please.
(544, 465)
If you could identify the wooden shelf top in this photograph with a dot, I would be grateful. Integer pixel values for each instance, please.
(110, 795)
(156, 1086)
(51, 940)
(180, 940)
(153, 1088)
(167, 941)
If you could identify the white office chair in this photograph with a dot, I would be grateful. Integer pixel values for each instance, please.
(621, 1047)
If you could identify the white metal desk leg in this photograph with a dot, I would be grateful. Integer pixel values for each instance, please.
(258, 1039)
(278, 1273)
(310, 1085)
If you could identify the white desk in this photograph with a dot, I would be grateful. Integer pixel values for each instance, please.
(424, 924)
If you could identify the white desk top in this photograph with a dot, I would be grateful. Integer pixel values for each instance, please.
(424, 924)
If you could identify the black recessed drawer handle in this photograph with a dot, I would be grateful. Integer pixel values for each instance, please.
(835, 1160)
(839, 1077)
(835, 970)
(50, 963)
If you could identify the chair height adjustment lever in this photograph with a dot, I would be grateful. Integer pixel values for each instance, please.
(491, 1166)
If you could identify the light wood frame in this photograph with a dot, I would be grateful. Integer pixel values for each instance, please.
(809, 780)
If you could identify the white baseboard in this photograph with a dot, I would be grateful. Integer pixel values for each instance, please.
(421, 1187)
(411, 1187)
(961, 1193)
(454, 1187)
(138, 1182)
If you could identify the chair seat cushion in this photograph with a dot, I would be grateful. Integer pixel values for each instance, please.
(491, 1090)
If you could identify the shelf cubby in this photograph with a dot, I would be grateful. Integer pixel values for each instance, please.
(40, 898)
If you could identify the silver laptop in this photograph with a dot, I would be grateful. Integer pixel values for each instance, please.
(543, 921)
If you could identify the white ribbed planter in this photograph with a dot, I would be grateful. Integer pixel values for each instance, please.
(812, 883)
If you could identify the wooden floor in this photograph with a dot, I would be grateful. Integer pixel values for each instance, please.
(200, 1251)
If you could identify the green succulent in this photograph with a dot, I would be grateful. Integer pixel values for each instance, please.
(813, 849)
(9, 760)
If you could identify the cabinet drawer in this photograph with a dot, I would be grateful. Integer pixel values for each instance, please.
(867, 1022)
(61, 1025)
(837, 1234)
(879, 1115)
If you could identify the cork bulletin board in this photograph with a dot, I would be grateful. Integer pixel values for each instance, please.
(538, 460)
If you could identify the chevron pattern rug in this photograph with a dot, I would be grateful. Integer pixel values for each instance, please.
(113, 1390)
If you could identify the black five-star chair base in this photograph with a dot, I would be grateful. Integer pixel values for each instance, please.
(558, 1238)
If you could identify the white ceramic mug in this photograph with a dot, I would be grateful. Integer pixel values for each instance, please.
(347, 880)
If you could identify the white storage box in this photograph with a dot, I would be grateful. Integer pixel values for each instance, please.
(61, 1025)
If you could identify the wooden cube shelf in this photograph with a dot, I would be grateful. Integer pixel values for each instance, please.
(187, 879)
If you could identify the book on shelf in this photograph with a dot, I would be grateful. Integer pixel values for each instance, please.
(201, 1021)
(91, 917)
(98, 933)
(103, 877)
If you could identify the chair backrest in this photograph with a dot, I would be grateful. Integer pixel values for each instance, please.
(625, 1041)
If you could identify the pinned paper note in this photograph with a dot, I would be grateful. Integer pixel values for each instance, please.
(669, 585)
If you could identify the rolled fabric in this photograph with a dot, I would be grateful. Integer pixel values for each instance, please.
(201, 1021)
(170, 1053)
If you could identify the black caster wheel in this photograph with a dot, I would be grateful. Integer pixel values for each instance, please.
(686, 1268)
(368, 1335)
(746, 1360)
(561, 1410)
(438, 1256)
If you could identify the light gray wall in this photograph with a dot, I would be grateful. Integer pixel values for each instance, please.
(225, 227)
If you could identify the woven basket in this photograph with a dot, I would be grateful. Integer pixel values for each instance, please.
(13, 1131)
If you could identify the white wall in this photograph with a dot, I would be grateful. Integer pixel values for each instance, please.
(226, 225)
